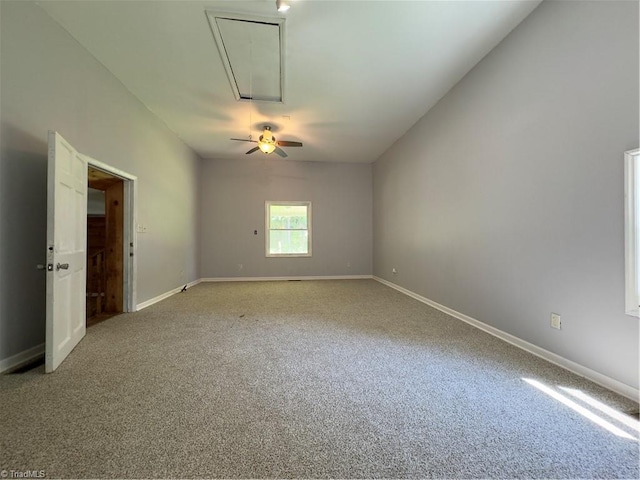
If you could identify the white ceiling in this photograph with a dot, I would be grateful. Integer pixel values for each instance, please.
(359, 74)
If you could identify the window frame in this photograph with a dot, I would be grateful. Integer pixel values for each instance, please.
(631, 234)
(267, 205)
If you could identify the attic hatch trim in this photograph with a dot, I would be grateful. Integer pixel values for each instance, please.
(279, 22)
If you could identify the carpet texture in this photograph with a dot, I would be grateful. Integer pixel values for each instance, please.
(315, 379)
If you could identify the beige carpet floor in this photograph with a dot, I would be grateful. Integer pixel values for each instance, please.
(316, 379)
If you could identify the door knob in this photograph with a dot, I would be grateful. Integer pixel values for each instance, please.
(62, 266)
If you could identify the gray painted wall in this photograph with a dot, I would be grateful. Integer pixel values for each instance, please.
(505, 202)
(49, 82)
(233, 193)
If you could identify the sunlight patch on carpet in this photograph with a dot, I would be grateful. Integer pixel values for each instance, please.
(606, 409)
(598, 420)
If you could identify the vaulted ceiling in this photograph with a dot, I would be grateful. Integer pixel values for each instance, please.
(358, 74)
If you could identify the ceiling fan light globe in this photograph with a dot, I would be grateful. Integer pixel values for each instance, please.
(267, 147)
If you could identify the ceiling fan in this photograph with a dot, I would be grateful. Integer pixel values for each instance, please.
(267, 143)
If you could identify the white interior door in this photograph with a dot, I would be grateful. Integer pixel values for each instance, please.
(66, 250)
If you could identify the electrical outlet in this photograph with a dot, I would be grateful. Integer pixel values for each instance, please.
(144, 229)
(394, 271)
(139, 228)
(555, 321)
(240, 266)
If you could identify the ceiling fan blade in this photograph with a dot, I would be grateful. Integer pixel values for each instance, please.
(286, 143)
(252, 150)
(281, 152)
(243, 140)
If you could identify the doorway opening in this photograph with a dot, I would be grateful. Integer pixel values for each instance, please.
(110, 244)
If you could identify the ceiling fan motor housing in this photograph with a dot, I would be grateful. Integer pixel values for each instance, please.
(267, 142)
(267, 135)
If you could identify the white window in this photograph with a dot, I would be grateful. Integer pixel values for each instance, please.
(631, 231)
(288, 228)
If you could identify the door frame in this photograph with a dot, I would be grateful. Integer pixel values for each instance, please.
(129, 241)
(631, 228)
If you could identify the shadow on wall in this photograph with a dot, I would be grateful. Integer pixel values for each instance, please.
(23, 216)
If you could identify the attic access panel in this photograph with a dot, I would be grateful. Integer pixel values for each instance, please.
(252, 52)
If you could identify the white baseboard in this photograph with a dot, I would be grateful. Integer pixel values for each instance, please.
(280, 279)
(22, 357)
(161, 297)
(596, 377)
